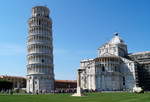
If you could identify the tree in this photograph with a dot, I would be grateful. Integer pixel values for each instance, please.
(5, 85)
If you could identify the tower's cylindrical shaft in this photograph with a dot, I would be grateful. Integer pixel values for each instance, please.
(40, 73)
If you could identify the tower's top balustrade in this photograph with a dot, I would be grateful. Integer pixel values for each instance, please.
(40, 11)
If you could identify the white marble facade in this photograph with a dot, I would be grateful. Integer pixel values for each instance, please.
(40, 71)
(111, 70)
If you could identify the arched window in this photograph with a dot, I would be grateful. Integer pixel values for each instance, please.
(39, 22)
(103, 68)
(42, 60)
(123, 80)
(115, 68)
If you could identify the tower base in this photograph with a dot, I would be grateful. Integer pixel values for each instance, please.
(79, 92)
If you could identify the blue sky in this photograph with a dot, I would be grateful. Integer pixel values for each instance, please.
(79, 28)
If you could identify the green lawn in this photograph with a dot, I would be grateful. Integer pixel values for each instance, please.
(92, 97)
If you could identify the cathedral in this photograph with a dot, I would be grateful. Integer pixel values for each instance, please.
(115, 69)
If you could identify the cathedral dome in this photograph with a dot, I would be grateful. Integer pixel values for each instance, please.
(116, 40)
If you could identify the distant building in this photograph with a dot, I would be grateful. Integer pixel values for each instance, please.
(64, 84)
(18, 82)
(59, 85)
(143, 60)
(40, 68)
(114, 69)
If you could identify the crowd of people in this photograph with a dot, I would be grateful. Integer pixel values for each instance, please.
(67, 90)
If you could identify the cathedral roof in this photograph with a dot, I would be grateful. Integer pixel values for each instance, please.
(116, 39)
(139, 53)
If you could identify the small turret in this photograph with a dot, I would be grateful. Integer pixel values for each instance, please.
(116, 46)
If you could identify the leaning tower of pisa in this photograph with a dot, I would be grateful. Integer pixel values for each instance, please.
(40, 70)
